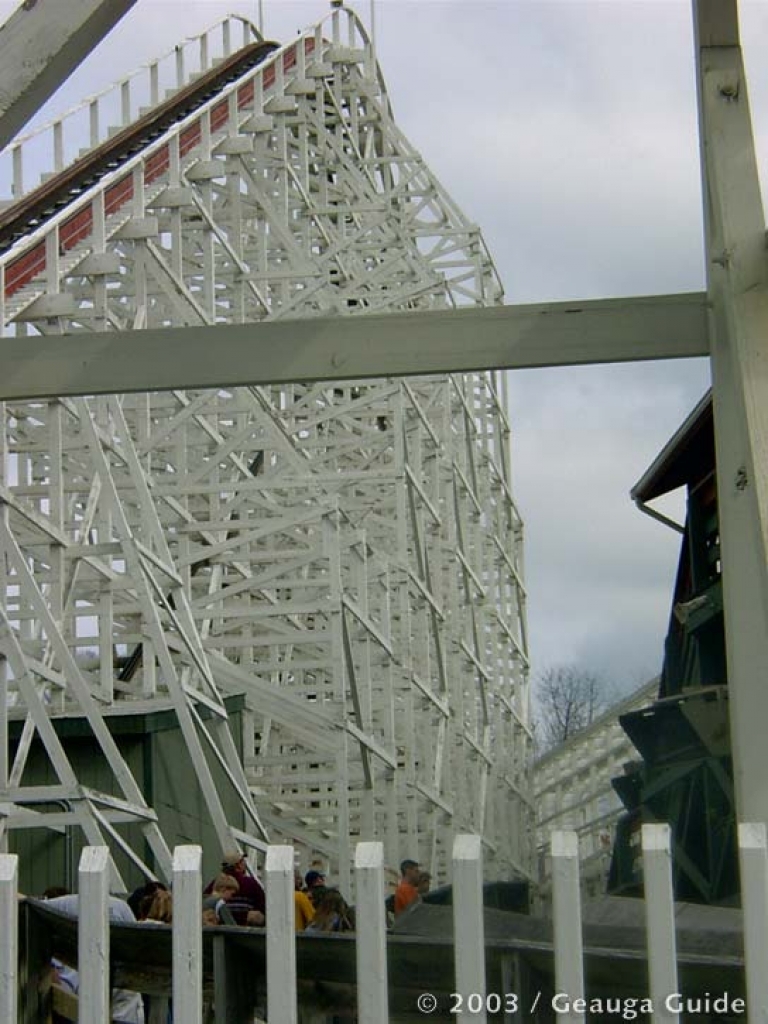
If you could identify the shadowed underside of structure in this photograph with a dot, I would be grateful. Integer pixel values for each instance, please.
(346, 557)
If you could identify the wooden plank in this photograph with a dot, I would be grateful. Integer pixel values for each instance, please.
(93, 935)
(566, 906)
(9, 936)
(281, 936)
(371, 946)
(738, 287)
(335, 348)
(753, 854)
(40, 46)
(468, 925)
(660, 917)
(187, 934)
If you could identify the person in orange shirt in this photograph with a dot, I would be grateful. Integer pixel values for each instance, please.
(302, 904)
(407, 891)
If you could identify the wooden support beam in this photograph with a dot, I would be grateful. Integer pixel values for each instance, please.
(469, 926)
(187, 934)
(93, 934)
(9, 921)
(335, 348)
(737, 265)
(41, 44)
(281, 946)
(371, 945)
(566, 908)
(660, 920)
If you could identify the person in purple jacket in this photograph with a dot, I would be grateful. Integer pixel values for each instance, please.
(249, 905)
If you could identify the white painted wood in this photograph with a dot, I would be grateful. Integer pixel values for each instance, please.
(187, 934)
(328, 348)
(738, 290)
(17, 158)
(660, 919)
(294, 543)
(566, 909)
(468, 923)
(93, 935)
(281, 936)
(137, 92)
(371, 947)
(753, 862)
(9, 936)
(42, 43)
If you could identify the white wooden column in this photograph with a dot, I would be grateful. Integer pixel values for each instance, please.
(187, 935)
(468, 923)
(371, 945)
(281, 937)
(753, 851)
(566, 909)
(93, 935)
(9, 932)
(738, 289)
(660, 919)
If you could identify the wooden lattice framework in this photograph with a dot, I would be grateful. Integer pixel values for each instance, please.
(348, 556)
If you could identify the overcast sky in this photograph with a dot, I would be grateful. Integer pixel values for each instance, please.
(567, 131)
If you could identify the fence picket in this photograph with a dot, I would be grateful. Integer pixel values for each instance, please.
(282, 1004)
(753, 860)
(187, 935)
(371, 945)
(660, 920)
(9, 936)
(93, 935)
(371, 940)
(566, 901)
(468, 925)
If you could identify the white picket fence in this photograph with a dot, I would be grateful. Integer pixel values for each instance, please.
(372, 997)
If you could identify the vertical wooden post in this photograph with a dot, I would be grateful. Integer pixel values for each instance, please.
(468, 924)
(566, 900)
(93, 935)
(9, 936)
(58, 146)
(737, 271)
(187, 935)
(125, 102)
(753, 850)
(17, 190)
(371, 946)
(154, 83)
(660, 919)
(93, 121)
(281, 937)
(180, 66)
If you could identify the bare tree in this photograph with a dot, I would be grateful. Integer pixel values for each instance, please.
(567, 699)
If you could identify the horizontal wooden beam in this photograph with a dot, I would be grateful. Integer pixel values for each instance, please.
(352, 347)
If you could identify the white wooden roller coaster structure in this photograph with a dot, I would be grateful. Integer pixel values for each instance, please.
(347, 556)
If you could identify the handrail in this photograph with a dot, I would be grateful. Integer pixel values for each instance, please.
(83, 201)
(151, 149)
(39, 255)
